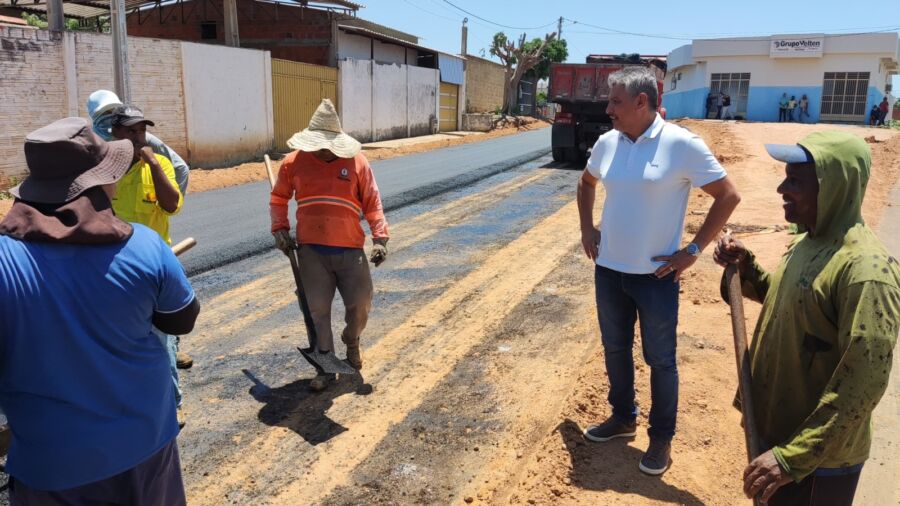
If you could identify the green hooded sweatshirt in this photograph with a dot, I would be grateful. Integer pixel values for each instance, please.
(822, 349)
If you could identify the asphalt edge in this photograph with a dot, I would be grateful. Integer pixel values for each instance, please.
(393, 203)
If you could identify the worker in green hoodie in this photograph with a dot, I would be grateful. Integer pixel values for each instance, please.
(822, 349)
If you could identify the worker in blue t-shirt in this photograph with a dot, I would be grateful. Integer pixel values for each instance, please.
(83, 378)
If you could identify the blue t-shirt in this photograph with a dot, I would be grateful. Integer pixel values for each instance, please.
(84, 381)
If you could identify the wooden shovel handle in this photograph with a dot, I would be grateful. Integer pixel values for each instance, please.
(742, 358)
(184, 245)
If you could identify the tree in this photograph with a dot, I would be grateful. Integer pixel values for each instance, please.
(518, 60)
(556, 52)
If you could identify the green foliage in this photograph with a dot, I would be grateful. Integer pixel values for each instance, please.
(542, 98)
(35, 20)
(500, 40)
(556, 52)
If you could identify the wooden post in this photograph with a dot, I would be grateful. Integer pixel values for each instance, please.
(119, 30)
(232, 37)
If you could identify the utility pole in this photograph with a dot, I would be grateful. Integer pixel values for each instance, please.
(559, 29)
(465, 37)
(232, 37)
(55, 18)
(119, 30)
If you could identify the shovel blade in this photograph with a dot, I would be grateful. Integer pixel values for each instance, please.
(327, 363)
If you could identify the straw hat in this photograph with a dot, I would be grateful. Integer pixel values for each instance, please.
(324, 132)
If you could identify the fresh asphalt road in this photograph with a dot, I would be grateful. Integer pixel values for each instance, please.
(233, 223)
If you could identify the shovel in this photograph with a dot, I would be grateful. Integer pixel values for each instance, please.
(324, 363)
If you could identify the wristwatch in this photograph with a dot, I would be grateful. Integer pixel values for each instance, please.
(692, 249)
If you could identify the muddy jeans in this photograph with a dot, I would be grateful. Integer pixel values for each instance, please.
(349, 273)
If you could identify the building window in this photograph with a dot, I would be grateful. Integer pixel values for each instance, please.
(208, 31)
(674, 81)
(844, 96)
(736, 85)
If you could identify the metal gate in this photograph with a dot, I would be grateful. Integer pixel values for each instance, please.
(844, 96)
(297, 90)
(737, 86)
(449, 107)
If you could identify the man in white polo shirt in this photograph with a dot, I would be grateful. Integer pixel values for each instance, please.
(647, 167)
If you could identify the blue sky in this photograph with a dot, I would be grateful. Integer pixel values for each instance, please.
(658, 26)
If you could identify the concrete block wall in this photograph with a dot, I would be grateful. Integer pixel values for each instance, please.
(484, 85)
(32, 92)
(156, 81)
(46, 76)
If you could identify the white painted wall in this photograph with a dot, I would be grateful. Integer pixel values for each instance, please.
(356, 98)
(228, 103)
(353, 46)
(423, 98)
(389, 53)
(380, 102)
(390, 105)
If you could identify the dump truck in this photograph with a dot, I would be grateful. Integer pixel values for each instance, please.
(582, 93)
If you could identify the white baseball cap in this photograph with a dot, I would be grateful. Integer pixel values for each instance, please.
(101, 102)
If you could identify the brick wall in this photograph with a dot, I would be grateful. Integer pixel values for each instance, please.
(484, 84)
(32, 92)
(156, 81)
(288, 32)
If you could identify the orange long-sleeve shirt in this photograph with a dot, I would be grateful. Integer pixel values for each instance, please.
(330, 199)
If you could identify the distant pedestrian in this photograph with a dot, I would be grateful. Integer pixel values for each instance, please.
(874, 115)
(782, 107)
(822, 351)
(726, 106)
(83, 379)
(720, 102)
(792, 105)
(648, 167)
(883, 110)
(710, 104)
(803, 108)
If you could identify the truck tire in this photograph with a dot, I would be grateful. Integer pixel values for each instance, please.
(559, 155)
(575, 157)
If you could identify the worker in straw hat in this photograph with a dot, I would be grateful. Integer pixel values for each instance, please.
(333, 185)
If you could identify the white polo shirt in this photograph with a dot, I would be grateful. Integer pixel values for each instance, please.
(647, 185)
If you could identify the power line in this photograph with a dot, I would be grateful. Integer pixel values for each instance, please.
(448, 2)
(613, 31)
(429, 12)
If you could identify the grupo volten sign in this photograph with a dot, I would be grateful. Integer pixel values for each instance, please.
(803, 47)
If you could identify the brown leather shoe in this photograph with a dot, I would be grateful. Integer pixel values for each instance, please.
(183, 360)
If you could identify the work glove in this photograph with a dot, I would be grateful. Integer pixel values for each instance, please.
(379, 251)
(283, 241)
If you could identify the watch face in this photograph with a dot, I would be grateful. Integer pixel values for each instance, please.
(693, 249)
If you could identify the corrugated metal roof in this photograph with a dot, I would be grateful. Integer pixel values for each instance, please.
(452, 68)
(94, 8)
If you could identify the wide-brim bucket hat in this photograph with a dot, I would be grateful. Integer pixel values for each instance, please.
(325, 132)
(66, 157)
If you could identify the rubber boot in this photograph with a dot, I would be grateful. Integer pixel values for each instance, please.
(354, 356)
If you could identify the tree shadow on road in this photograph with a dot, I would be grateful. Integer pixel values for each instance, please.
(613, 466)
(295, 407)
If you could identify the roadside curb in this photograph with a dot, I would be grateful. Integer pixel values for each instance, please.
(262, 242)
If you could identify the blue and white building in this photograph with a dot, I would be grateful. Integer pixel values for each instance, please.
(843, 76)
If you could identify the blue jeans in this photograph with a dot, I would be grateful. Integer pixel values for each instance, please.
(623, 299)
(171, 345)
